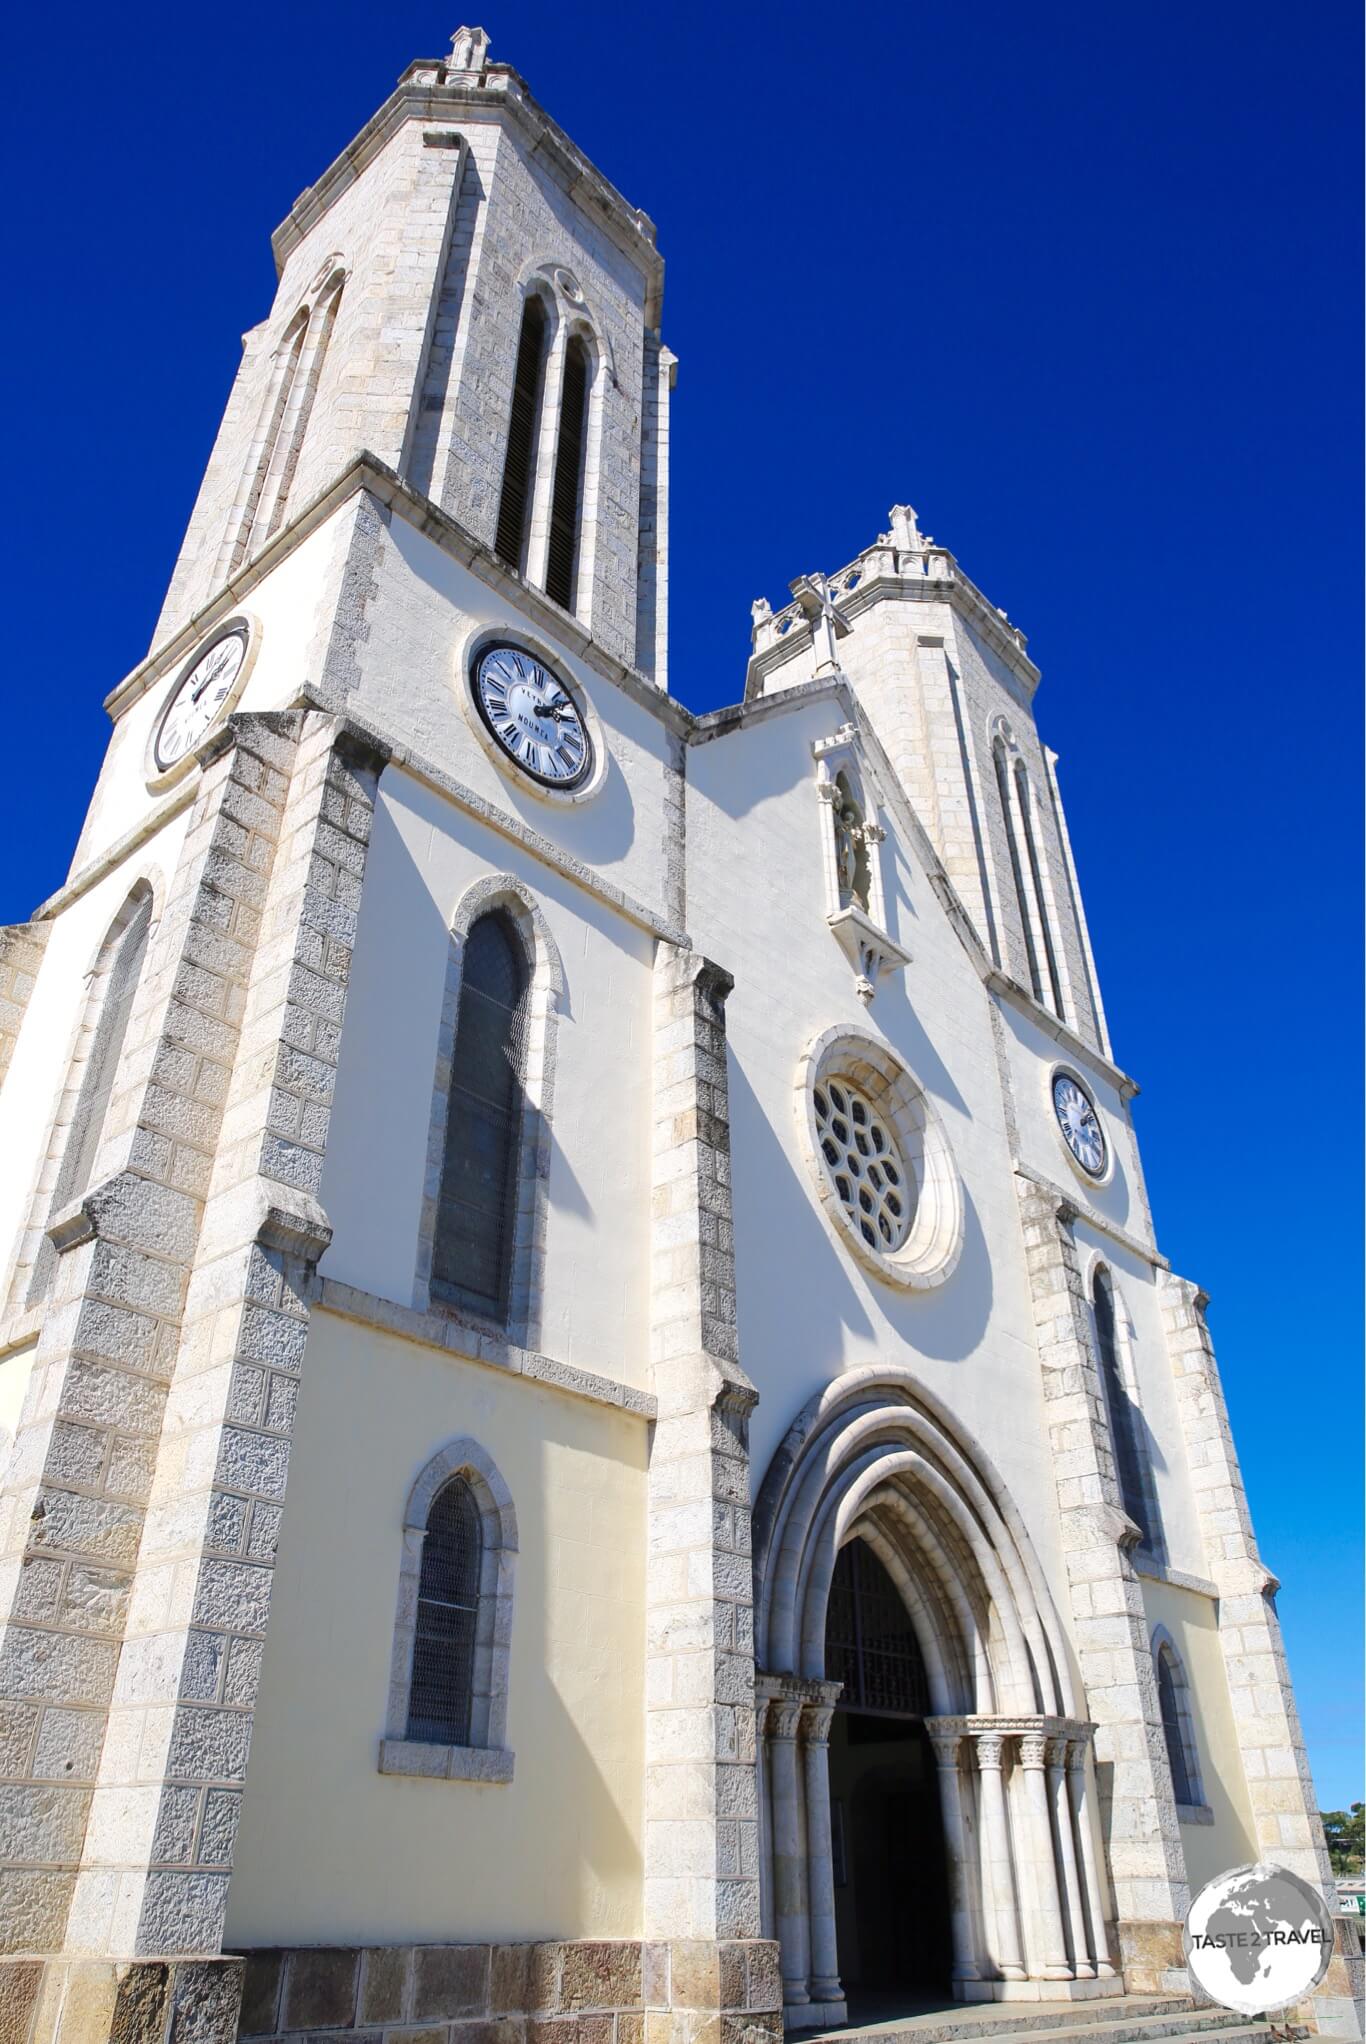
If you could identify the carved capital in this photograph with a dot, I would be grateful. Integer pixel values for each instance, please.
(785, 1717)
(990, 1747)
(1033, 1749)
(816, 1721)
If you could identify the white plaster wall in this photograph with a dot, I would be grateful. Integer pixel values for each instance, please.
(16, 1370)
(807, 1309)
(413, 678)
(1231, 1840)
(332, 1852)
(424, 856)
(1033, 1053)
(292, 606)
(1135, 1285)
(42, 1052)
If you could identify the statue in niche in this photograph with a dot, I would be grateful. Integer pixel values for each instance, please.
(851, 847)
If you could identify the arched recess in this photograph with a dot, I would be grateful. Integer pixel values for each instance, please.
(505, 893)
(1178, 1721)
(462, 1460)
(876, 1457)
(76, 1135)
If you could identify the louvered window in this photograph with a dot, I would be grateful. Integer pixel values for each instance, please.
(870, 1643)
(519, 467)
(441, 1694)
(562, 562)
(477, 1204)
(1017, 870)
(1036, 875)
(1125, 1421)
(1174, 1729)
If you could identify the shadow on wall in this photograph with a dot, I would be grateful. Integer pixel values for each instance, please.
(811, 1283)
(596, 1585)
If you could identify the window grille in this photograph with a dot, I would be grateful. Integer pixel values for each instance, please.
(477, 1204)
(519, 465)
(865, 1164)
(1124, 1418)
(441, 1694)
(998, 753)
(561, 572)
(870, 1643)
(1036, 875)
(1174, 1730)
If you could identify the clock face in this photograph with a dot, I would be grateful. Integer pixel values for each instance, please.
(1080, 1125)
(198, 696)
(533, 717)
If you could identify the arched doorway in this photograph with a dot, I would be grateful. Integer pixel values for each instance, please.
(901, 1612)
(891, 1878)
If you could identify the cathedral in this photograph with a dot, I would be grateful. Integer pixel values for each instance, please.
(596, 1446)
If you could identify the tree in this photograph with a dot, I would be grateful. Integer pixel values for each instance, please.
(1345, 1831)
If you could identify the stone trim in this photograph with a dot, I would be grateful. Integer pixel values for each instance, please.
(530, 1219)
(446, 1763)
(600, 1991)
(701, 1875)
(21, 953)
(447, 1331)
(1070, 1197)
(493, 1624)
(1109, 1625)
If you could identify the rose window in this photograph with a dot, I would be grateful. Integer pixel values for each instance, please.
(865, 1164)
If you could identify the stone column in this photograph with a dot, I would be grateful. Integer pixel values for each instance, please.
(790, 1905)
(1065, 1848)
(1090, 1871)
(1270, 1740)
(1109, 1628)
(172, 1345)
(701, 1805)
(989, 1747)
(946, 1739)
(820, 1867)
(1049, 1959)
(766, 1688)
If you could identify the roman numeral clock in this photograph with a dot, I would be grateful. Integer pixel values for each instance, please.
(533, 717)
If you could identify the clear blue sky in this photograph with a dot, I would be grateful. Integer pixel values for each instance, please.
(1080, 283)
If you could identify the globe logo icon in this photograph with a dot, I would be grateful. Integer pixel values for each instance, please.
(1258, 1938)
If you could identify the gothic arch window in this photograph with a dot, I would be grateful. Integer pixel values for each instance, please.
(296, 369)
(481, 1242)
(1026, 813)
(476, 1205)
(1128, 1431)
(1002, 765)
(519, 462)
(1178, 1723)
(77, 1134)
(567, 490)
(851, 846)
(448, 1686)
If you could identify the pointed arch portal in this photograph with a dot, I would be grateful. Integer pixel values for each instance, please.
(924, 1785)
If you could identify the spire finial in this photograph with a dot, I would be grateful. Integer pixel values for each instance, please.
(905, 532)
(470, 51)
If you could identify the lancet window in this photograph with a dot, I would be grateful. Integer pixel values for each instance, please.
(519, 464)
(441, 1696)
(1127, 1429)
(296, 370)
(1178, 1729)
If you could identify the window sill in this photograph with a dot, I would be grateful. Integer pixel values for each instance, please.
(445, 1763)
(1194, 1813)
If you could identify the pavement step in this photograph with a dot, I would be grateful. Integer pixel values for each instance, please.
(1118, 2019)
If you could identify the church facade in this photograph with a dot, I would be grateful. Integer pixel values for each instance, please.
(595, 1432)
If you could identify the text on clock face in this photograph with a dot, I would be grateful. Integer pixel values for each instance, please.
(1080, 1124)
(533, 717)
(198, 697)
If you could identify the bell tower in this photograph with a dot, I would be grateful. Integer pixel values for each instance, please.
(464, 297)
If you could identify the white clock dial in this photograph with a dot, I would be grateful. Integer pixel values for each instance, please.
(1080, 1125)
(198, 696)
(533, 716)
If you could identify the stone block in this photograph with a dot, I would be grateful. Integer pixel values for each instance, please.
(600, 1976)
(261, 1984)
(450, 1980)
(20, 1983)
(321, 1990)
(510, 1979)
(384, 1983)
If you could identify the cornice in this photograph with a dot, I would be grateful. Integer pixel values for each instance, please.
(1068, 1200)
(368, 474)
(1015, 996)
(427, 92)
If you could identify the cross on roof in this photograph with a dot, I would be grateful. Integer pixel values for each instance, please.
(816, 604)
